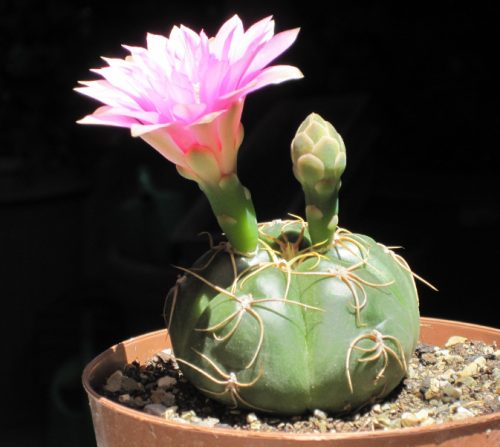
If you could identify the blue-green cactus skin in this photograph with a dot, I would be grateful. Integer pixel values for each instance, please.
(290, 329)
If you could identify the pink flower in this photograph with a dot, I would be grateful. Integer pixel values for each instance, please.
(184, 94)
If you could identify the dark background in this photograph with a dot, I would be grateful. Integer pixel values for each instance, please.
(91, 219)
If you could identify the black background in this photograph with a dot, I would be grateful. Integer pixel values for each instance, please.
(85, 253)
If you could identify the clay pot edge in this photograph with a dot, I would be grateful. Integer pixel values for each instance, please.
(88, 375)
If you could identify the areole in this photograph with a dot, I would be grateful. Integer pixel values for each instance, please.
(118, 426)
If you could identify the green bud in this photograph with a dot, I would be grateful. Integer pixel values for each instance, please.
(318, 156)
(319, 138)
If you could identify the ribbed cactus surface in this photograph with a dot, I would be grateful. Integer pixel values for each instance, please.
(316, 317)
(290, 329)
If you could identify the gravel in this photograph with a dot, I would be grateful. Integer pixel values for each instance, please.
(458, 381)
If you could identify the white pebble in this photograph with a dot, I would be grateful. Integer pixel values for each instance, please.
(124, 398)
(252, 418)
(156, 409)
(114, 382)
(320, 414)
(452, 391)
(409, 419)
(209, 422)
(469, 370)
(462, 413)
(455, 340)
(480, 361)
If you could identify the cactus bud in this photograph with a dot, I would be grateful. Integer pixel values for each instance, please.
(318, 155)
(318, 137)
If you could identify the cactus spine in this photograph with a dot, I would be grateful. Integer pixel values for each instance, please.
(316, 317)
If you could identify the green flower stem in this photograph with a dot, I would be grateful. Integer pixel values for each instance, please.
(322, 213)
(232, 205)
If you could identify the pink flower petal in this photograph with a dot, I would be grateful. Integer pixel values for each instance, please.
(185, 92)
(104, 92)
(231, 134)
(274, 75)
(160, 140)
(221, 44)
(272, 49)
(102, 116)
(138, 130)
(188, 112)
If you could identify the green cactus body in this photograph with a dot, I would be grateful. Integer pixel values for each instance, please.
(315, 317)
(290, 329)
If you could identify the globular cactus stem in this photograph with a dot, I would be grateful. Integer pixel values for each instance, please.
(319, 159)
(316, 317)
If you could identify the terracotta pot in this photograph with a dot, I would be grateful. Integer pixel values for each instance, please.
(119, 426)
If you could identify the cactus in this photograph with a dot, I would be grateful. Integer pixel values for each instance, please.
(286, 316)
(316, 317)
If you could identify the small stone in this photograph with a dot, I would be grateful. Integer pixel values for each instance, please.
(480, 361)
(155, 409)
(434, 390)
(160, 396)
(195, 420)
(252, 418)
(382, 422)
(124, 398)
(188, 415)
(171, 412)
(453, 358)
(166, 355)
(447, 375)
(467, 381)
(253, 421)
(497, 353)
(209, 422)
(168, 399)
(377, 409)
(409, 419)
(166, 382)
(428, 421)
(320, 414)
(411, 372)
(469, 370)
(452, 391)
(114, 382)
(428, 358)
(455, 340)
(462, 413)
(322, 426)
(129, 384)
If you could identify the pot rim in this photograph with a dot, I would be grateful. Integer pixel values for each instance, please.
(476, 421)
